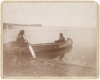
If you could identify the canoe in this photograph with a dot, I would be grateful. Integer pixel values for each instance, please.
(52, 46)
(44, 47)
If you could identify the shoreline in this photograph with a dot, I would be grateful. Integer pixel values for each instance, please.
(51, 68)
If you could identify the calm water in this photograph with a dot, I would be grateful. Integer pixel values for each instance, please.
(84, 41)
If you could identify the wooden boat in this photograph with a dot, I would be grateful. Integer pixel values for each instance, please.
(44, 47)
(52, 46)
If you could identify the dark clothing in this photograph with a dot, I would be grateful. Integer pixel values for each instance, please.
(20, 40)
(61, 39)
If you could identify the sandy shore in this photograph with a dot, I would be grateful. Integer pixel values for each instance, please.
(19, 67)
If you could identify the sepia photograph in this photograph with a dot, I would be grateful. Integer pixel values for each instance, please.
(50, 39)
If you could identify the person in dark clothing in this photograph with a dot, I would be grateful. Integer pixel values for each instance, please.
(61, 38)
(20, 39)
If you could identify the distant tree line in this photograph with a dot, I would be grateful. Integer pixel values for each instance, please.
(10, 25)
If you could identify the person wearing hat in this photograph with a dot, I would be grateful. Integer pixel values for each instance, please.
(20, 41)
(61, 38)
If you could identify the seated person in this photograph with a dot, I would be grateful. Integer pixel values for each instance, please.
(61, 38)
(20, 41)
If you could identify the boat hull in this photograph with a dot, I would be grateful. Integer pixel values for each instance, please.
(52, 46)
(11, 48)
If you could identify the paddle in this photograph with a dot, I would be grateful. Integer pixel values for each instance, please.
(31, 49)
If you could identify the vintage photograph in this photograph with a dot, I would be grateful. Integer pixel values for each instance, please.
(50, 39)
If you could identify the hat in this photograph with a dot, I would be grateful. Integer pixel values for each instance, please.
(60, 34)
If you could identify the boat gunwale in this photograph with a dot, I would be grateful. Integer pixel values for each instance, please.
(44, 44)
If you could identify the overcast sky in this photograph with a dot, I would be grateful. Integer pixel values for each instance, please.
(51, 14)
